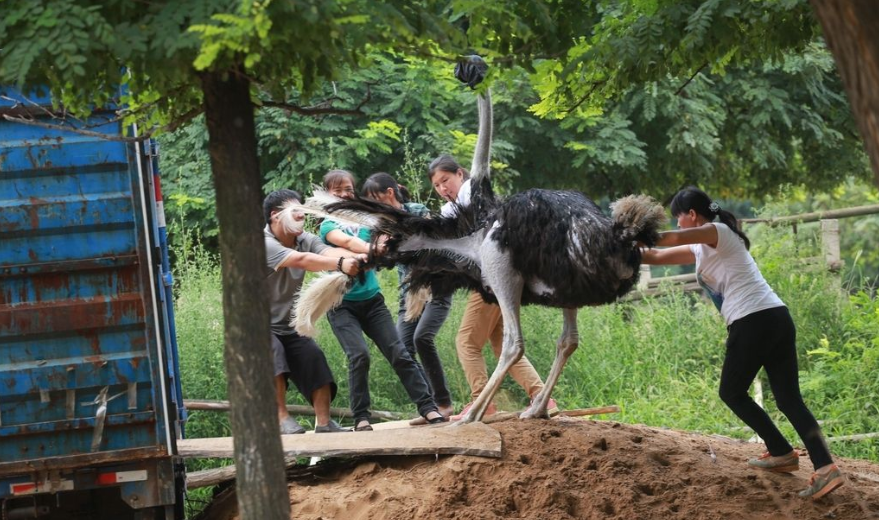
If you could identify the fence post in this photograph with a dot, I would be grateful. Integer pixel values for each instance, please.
(644, 279)
(830, 244)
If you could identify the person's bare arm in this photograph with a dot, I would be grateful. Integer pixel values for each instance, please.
(669, 256)
(679, 240)
(314, 262)
(340, 239)
(340, 252)
(705, 234)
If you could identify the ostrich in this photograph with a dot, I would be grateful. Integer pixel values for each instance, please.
(544, 247)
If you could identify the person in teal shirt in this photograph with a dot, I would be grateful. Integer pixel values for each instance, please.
(363, 311)
(418, 335)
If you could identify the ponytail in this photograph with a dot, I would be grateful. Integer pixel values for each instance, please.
(732, 222)
(405, 196)
(380, 182)
(692, 198)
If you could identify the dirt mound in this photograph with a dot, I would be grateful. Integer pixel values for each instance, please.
(569, 468)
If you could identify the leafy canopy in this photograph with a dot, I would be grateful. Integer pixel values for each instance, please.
(606, 96)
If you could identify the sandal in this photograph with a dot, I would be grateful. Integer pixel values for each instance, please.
(440, 418)
(362, 426)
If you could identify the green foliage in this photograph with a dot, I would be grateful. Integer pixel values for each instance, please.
(186, 183)
(742, 134)
(737, 96)
(634, 43)
(234, 36)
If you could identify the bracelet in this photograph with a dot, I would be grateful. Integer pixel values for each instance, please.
(339, 265)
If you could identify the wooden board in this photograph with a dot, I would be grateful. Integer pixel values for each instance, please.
(223, 406)
(444, 439)
(591, 411)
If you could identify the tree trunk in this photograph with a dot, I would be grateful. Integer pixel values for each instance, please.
(262, 489)
(851, 29)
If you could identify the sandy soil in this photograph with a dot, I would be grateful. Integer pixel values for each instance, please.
(568, 468)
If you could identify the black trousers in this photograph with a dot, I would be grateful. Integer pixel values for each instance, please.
(418, 338)
(768, 339)
(350, 321)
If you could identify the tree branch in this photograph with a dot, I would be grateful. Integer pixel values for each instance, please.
(170, 127)
(323, 108)
(510, 58)
(682, 87)
(507, 58)
(29, 106)
(585, 96)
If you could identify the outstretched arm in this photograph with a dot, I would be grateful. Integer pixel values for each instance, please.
(704, 234)
(680, 240)
(339, 252)
(339, 239)
(670, 256)
(321, 262)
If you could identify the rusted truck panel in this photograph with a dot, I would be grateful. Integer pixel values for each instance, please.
(89, 387)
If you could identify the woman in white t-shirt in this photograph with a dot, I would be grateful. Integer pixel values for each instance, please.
(761, 332)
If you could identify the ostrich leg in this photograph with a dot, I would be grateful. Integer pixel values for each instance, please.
(507, 284)
(566, 346)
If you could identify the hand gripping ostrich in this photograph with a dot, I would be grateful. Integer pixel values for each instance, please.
(545, 247)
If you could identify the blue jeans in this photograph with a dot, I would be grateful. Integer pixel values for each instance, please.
(418, 337)
(349, 321)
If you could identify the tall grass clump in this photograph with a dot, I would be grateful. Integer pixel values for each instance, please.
(198, 308)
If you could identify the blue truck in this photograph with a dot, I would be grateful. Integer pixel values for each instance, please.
(90, 397)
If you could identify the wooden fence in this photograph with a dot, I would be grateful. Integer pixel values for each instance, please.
(650, 286)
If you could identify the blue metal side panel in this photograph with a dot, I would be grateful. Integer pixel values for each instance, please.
(76, 298)
(165, 295)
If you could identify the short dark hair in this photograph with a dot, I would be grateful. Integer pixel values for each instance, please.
(276, 200)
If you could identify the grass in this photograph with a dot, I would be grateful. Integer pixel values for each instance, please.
(659, 359)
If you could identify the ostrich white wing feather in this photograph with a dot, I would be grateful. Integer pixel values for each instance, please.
(347, 217)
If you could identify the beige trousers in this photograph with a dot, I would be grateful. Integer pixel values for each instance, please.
(482, 322)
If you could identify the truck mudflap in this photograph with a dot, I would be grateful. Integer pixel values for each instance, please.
(139, 485)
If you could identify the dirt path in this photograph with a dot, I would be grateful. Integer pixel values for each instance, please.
(575, 469)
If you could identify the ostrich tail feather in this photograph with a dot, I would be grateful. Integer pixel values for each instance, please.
(415, 302)
(316, 299)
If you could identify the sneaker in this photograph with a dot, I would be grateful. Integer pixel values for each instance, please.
(290, 426)
(330, 427)
(491, 410)
(787, 463)
(820, 485)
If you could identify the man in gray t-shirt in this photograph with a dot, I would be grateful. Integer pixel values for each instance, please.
(290, 252)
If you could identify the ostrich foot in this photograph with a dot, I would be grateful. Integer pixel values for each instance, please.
(536, 411)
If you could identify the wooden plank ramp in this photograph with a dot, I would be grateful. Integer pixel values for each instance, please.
(445, 439)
